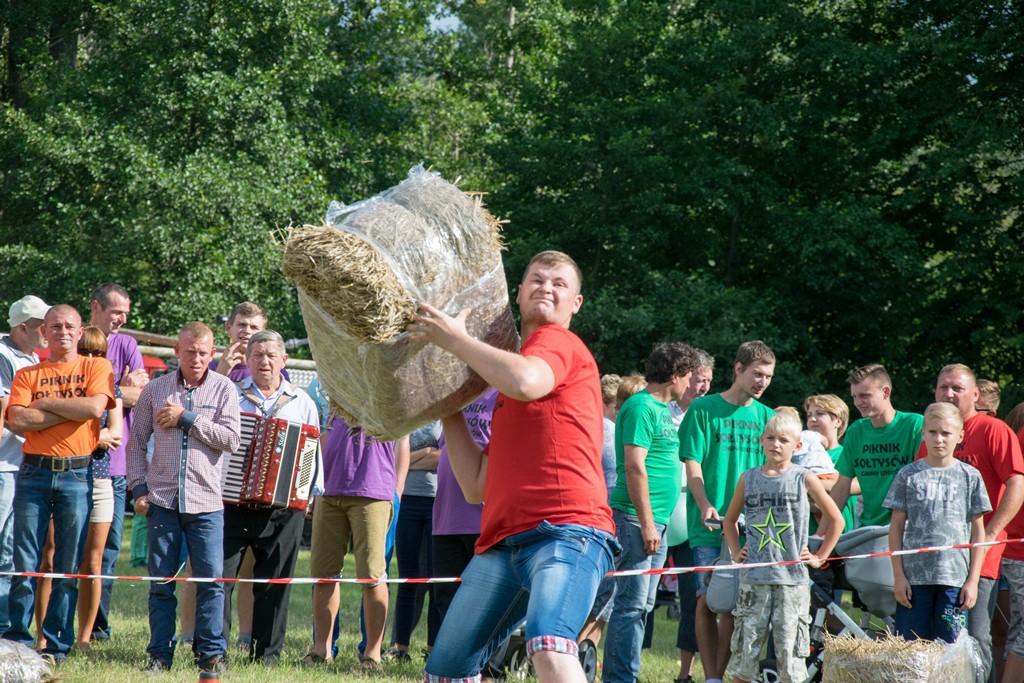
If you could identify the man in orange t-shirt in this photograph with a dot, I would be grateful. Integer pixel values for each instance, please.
(57, 405)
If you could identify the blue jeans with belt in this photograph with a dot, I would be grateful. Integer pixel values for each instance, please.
(39, 494)
(204, 535)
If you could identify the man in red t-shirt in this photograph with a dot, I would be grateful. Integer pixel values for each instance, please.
(546, 535)
(990, 446)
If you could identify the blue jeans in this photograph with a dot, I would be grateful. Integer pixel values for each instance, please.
(548, 575)
(704, 556)
(40, 494)
(934, 614)
(634, 598)
(6, 544)
(204, 536)
(110, 553)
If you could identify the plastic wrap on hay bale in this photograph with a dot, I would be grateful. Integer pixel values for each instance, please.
(852, 660)
(360, 278)
(22, 664)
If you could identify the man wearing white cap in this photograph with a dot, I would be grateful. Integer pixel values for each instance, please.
(16, 351)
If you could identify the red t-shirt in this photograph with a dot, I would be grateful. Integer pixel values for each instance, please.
(544, 458)
(1015, 529)
(990, 446)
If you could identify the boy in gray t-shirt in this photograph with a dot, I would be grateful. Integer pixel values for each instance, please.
(773, 497)
(937, 501)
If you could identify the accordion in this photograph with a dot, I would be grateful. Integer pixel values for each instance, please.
(274, 466)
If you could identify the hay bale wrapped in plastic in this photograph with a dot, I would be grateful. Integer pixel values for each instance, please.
(360, 278)
(21, 664)
(853, 660)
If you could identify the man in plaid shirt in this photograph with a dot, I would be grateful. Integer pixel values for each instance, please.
(193, 415)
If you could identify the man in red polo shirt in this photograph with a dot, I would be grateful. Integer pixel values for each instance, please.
(546, 535)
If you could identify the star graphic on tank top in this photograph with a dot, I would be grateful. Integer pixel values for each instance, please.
(770, 531)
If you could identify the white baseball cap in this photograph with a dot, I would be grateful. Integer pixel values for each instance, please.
(27, 308)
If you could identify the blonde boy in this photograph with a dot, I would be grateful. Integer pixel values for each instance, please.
(937, 501)
(773, 498)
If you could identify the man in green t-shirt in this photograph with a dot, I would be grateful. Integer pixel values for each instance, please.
(718, 441)
(646, 491)
(876, 446)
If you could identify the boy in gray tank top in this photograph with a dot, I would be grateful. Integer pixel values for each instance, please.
(773, 499)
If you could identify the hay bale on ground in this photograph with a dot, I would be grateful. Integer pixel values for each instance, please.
(360, 279)
(852, 660)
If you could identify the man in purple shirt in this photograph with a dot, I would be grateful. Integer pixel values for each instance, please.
(246, 319)
(109, 307)
(456, 523)
(193, 416)
(361, 476)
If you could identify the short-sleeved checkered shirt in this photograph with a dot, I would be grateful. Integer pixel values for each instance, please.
(185, 473)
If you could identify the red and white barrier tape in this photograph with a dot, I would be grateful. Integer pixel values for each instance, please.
(630, 572)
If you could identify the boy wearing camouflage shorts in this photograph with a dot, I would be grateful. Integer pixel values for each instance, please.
(773, 498)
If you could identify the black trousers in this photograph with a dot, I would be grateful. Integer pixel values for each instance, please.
(452, 552)
(274, 536)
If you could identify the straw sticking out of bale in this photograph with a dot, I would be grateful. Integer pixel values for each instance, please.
(350, 279)
(852, 660)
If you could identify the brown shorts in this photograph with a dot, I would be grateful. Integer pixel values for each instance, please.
(335, 518)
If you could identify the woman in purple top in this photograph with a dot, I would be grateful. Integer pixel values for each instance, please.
(456, 523)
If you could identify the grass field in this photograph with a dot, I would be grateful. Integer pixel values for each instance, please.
(122, 658)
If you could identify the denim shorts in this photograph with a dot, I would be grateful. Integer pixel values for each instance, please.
(547, 576)
(704, 556)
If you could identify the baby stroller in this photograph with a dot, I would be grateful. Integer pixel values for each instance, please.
(870, 579)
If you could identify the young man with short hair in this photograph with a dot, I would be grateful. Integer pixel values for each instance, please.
(245, 320)
(876, 446)
(718, 441)
(541, 482)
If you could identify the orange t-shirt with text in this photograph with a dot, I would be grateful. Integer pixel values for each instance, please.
(85, 376)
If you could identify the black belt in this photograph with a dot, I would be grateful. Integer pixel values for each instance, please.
(56, 464)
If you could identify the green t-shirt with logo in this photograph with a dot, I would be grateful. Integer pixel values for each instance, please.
(725, 439)
(874, 456)
(646, 422)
